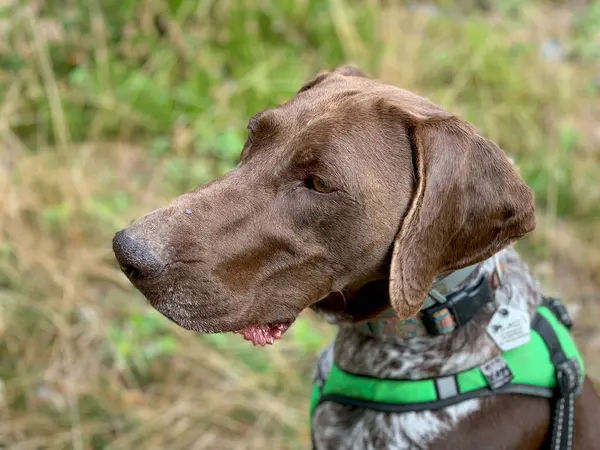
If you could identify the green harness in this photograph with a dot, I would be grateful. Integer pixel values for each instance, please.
(549, 365)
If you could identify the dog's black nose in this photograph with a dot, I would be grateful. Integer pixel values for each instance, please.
(136, 257)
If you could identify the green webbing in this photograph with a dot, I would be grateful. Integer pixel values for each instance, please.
(530, 365)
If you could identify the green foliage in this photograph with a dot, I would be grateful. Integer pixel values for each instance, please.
(55, 216)
(209, 66)
(243, 351)
(139, 339)
(587, 35)
(108, 209)
(306, 338)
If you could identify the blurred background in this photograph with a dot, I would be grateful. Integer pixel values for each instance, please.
(110, 108)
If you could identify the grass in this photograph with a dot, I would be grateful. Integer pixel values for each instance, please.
(109, 109)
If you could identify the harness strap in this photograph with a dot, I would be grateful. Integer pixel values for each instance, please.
(548, 366)
(559, 310)
(568, 378)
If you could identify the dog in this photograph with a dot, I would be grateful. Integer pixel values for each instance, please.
(381, 211)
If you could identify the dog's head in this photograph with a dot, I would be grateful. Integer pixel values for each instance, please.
(352, 186)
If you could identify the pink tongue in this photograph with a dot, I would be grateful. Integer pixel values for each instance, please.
(264, 334)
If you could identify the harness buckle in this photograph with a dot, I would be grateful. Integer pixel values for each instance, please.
(459, 308)
(568, 377)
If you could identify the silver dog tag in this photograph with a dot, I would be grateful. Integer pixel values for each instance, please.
(509, 328)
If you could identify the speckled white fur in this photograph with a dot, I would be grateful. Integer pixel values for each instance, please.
(348, 428)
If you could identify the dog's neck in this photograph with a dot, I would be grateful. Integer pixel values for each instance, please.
(468, 278)
(389, 354)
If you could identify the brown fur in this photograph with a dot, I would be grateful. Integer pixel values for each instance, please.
(416, 193)
(517, 422)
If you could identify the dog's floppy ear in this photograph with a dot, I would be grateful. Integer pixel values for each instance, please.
(468, 204)
(347, 71)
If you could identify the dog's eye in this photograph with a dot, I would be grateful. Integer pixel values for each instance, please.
(316, 184)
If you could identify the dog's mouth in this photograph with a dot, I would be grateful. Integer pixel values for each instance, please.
(261, 335)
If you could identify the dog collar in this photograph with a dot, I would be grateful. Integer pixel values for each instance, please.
(549, 366)
(452, 302)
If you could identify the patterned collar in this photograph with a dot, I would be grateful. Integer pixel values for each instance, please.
(439, 315)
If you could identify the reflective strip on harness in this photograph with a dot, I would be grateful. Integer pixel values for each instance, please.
(531, 365)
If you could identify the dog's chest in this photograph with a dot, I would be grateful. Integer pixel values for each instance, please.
(336, 426)
(341, 427)
(345, 428)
